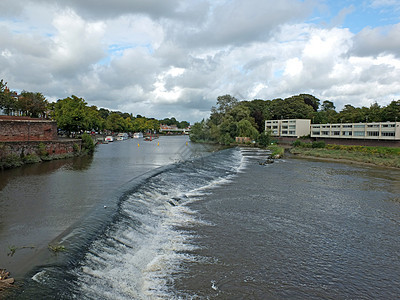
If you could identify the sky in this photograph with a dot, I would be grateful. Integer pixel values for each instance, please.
(173, 58)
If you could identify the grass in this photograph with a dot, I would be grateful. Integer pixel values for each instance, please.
(276, 150)
(380, 156)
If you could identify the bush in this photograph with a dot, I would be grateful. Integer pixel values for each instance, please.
(297, 143)
(76, 148)
(10, 161)
(42, 150)
(320, 144)
(87, 143)
(31, 159)
(264, 139)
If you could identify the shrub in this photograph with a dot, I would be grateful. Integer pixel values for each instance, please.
(264, 139)
(297, 143)
(76, 148)
(87, 143)
(31, 159)
(42, 150)
(320, 144)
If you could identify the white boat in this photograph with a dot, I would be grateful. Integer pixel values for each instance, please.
(109, 138)
(122, 136)
(137, 135)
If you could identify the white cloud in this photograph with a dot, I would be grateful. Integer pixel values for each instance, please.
(176, 57)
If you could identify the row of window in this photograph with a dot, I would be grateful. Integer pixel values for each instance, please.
(356, 133)
(355, 126)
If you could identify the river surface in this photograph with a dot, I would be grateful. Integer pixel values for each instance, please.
(169, 219)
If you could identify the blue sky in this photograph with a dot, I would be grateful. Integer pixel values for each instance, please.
(174, 58)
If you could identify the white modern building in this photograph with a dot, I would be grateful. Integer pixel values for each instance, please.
(370, 131)
(289, 127)
(296, 128)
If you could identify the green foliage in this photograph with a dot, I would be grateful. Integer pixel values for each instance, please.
(7, 102)
(42, 150)
(245, 129)
(71, 114)
(88, 144)
(10, 161)
(56, 248)
(31, 159)
(32, 104)
(264, 139)
(276, 151)
(382, 156)
(200, 132)
(318, 144)
(76, 148)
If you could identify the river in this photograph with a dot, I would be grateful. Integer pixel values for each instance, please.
(169, 219)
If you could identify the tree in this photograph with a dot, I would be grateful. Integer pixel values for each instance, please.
(350, 114)
(226, 103)
(200, 132)
(391, 112)
(96, 122)
(246, 129)
(116, 123)
(32, 104)
(310, 100)
(327, 106)
(7, 102)
(183, 124)
(71, 114)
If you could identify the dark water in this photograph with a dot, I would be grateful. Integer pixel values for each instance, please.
(222, 226)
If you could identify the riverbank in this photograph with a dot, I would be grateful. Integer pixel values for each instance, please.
(352, 154)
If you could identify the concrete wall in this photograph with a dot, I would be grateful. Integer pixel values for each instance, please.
(27, 129)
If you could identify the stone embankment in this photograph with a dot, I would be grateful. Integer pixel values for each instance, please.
(27, 140)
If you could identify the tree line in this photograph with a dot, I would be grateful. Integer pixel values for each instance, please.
(232, 118)
(73, 114)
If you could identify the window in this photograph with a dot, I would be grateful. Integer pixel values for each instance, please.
(335, 126)
(336, 133)
(347, 133)
(292, 132)
(326, 126)
(325, 132)
(359, 126)
(388, 134)
(275, 126)
(373, 133)
(316, 126)
(315, 132)
(347, 126)
(284, 132)
(284, 126)
(359, 133)
(292, 126)
(373, 125)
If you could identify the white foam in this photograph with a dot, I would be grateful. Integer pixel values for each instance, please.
(138, 260)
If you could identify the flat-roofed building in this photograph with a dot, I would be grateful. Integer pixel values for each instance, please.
(370, 131)
(294, 128)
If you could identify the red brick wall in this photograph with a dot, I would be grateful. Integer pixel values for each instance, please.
(27, 129)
